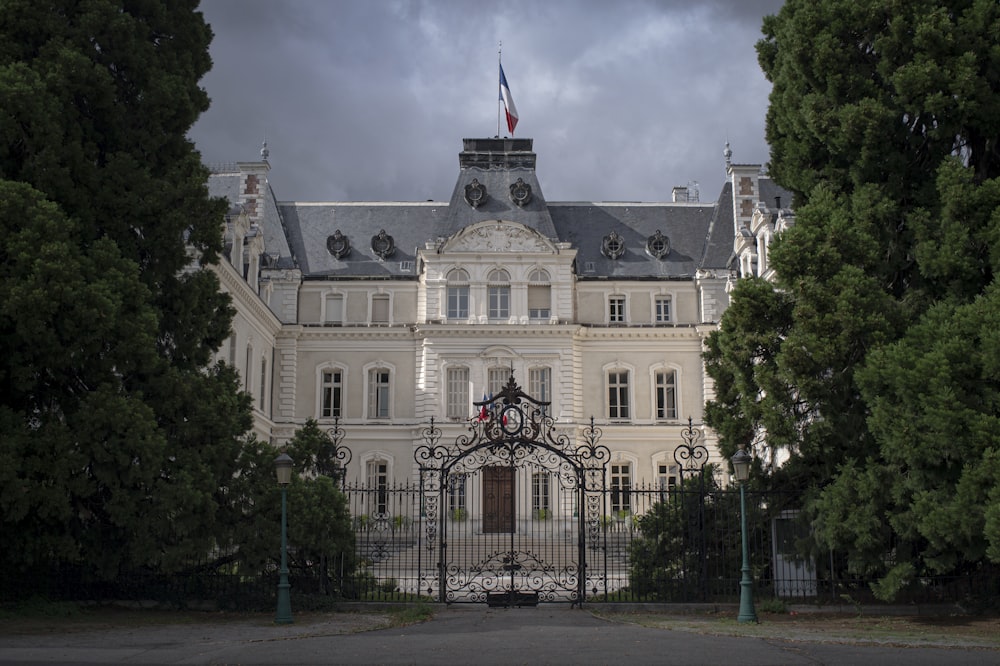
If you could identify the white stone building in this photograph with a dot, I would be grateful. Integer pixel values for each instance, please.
(384, 315)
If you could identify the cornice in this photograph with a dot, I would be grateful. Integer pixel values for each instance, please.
(353, 332)
(415, 332)
(239, 289)
(644, 333)
(484, 331)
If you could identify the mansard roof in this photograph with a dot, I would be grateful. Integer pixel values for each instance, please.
(700, 235)
(497, 165)
(586, 225)
(225, 182)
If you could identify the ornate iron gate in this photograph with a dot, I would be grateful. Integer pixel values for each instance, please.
(511, 509)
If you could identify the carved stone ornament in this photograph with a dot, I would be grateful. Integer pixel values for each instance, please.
(383, 245)
(338, 244)
(613, 246)
(520, 193)
(495, 237)
(658, 245)
(475, 193)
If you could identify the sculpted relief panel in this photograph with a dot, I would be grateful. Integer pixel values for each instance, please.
(495, 237)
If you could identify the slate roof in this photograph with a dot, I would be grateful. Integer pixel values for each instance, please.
(700, 234)
(586, 224)
(309, 225)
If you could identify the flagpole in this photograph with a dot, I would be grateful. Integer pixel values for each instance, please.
(499, 95)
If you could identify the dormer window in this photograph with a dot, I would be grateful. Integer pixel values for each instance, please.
(383, 245)
(338, 245)
(520, 193)
(658, 245)
(613, 246)
(475, 193)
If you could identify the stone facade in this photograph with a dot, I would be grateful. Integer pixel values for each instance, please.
(384, 315)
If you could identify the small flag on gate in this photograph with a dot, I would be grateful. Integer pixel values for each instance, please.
(483, 414)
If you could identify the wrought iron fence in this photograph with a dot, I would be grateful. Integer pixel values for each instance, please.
(653, 544)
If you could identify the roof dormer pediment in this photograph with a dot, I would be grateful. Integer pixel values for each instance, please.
(498, 236)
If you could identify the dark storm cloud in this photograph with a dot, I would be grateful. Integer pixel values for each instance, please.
(369, 100)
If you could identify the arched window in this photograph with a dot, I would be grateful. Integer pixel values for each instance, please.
(498, 293)
(539, 295)
(458, 294)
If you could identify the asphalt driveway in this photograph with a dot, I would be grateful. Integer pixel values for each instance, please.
(457, 635)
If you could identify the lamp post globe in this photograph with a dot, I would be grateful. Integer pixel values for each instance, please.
(283, 469)
(741, 470)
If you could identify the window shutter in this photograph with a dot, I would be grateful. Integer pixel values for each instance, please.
(380, 309)
(538, 297)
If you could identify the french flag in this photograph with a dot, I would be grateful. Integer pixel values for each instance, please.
(508, 103)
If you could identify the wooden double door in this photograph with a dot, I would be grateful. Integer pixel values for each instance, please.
(498, 499)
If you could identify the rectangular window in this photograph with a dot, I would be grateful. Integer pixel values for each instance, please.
(496, 379)
(539, 301)
(499, 301)
(378, 393)
(263, 384)
(458, 302)
(666, 478)
(335, 309)
(458, 404)
(248, 370)
(540, 502)
(666, 395)
(616, 310)
(456, 496)
(380, 309)
(540, 384)
(662, 309)
(331, 394)
(378, 488)
(621, 489)
(618, 395)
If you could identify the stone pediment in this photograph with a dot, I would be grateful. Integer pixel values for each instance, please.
(498, 236)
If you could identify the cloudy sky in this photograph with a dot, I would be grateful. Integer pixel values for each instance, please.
(370, 99)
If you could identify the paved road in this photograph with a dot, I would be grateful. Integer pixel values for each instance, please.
(457, 635)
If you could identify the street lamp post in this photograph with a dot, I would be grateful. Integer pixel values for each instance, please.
(741, 469)
(283, 468)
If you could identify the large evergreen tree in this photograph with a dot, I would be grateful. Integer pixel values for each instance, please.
(117, 435)
(320, 536)
(885, 123)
